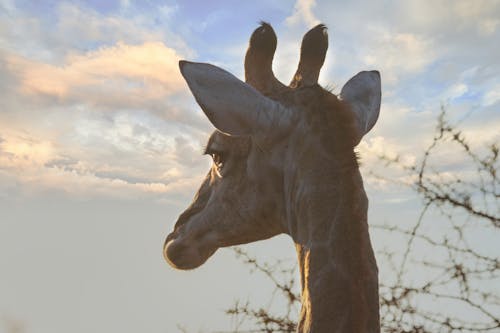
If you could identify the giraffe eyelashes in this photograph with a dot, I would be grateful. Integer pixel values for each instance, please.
(218, 158)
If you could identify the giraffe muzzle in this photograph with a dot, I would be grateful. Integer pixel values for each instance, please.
(184, 251)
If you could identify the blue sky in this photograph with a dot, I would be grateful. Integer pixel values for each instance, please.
(100, 140)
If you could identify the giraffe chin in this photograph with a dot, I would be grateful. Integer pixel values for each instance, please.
(184, 256)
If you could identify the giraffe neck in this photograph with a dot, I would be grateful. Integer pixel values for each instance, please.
(336, 261)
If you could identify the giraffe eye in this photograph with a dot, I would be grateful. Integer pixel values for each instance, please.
(218, 158)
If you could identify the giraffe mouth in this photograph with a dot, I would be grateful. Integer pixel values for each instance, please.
(184, 251)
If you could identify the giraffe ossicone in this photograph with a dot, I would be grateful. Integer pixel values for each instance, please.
(284, 162)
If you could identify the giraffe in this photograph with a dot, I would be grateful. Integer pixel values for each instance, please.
(284, 162)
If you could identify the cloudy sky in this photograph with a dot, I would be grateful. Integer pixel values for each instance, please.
(101, 142)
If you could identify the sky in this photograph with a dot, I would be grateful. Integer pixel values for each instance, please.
(101, 142)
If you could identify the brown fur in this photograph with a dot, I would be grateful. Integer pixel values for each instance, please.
(305, 183)
(333, 122)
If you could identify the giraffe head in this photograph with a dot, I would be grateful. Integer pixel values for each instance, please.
(269, 140)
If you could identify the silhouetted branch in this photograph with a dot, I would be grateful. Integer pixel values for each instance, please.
(262, 318)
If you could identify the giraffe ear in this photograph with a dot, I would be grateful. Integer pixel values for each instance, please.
(231, 105)
(363, 93)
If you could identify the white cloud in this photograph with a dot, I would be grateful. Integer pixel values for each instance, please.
(132, 68)
(492, 96)
(23, 152)
(79, 28)
(125, 73)
(303, 13)
(455, 91)
(146, 143)
(99, 27)
(443, 17)
(397, 54)
(488, 26)
(379, 146)
(38, 164)
(7, 5)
